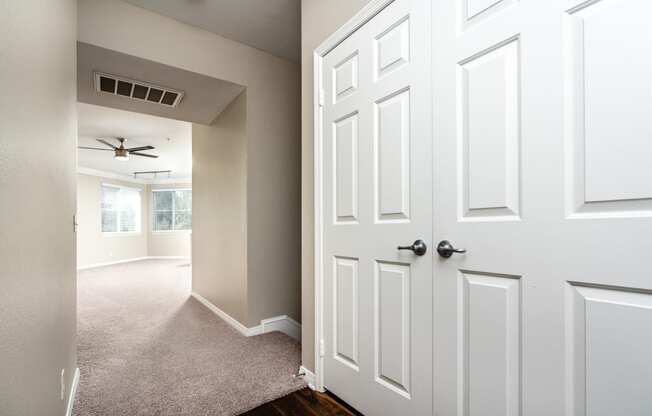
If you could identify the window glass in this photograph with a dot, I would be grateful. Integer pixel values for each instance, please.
(109, 221)
(163, 201)
(182, 220)
(183, 200)
(121, 208)
(172, 210)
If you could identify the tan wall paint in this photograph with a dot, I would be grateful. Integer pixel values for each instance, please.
(273, 134)
(166, 243)
(219, 210)
(95, 247)
(319, 19)
(38, 130)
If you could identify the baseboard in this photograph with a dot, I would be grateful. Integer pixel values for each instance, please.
(309, 377)
(110, 263)
(281, 323)
(284, 324)
(73, 393)
(225, 316)
(113, 263)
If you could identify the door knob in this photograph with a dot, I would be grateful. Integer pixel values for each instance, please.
(419, 247)
(446, 249)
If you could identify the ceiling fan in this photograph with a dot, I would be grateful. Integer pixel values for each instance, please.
(121, 153)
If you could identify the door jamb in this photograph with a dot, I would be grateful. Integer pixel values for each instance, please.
(351, 26)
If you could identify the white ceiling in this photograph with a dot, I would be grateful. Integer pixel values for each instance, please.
(97, 122)
(269, 25)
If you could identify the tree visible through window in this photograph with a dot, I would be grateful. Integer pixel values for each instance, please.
(172, 210)
(120, 209)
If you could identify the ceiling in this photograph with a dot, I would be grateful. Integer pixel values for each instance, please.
(269, 25)
(204, 97)
(97, 122)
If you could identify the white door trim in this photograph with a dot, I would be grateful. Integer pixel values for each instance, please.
(72, 393)
(363, 16)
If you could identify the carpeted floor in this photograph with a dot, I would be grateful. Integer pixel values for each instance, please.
(145, 347)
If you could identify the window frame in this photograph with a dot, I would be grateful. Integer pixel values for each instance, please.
(153, 212)
(119, 233)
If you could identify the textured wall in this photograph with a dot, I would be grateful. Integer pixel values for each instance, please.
(38, 136)
(219, 210)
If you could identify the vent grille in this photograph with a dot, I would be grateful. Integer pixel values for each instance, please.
(137, 90)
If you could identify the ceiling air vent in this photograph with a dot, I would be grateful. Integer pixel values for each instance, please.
(137, 90)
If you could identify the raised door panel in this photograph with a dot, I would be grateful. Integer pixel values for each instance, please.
(473, 11)
(490, 134)
(392, 323)
(609, 69)
(345, 168)
(490, 319)
(609, 351)
(345, 77)
(392, 157)
(392, 48)
(345, 299)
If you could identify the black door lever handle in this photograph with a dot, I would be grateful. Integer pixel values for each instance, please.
(418, 247)
(446, 249)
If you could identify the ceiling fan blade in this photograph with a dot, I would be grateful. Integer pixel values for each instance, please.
(143, 154)
(94, 148)
(138, 149)
(107, 143)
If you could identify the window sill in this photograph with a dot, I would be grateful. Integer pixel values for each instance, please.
(171, 231)
(121, 233)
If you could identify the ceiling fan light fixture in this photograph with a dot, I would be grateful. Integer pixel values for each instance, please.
(121, 153)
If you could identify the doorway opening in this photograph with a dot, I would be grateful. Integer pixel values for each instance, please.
(134, 187)
(161, 221)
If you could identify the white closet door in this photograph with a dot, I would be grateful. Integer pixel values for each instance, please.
(543, 143)
(377, 181)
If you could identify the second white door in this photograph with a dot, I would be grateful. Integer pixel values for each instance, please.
(377, 182)
(543, 138)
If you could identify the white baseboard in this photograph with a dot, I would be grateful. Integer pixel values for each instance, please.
(284, 324)
(281, 323)
(110, 263)
(113, 263)
(309, 377)
(73, 393)
(225, 316)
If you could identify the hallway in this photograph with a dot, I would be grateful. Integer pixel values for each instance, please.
(145, 347)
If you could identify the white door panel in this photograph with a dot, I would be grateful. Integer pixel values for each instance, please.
(377, 183)
(543, 142)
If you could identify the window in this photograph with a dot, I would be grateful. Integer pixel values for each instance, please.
(120, 209)
(172, 210)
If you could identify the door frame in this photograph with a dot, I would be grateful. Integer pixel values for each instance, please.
(370, 10)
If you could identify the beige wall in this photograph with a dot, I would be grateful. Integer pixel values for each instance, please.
(38, 130)
(219, 210)
(273, 134)
(166, 243)
(95, 247)
(319, 19)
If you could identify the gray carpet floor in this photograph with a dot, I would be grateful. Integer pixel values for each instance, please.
(145, 347)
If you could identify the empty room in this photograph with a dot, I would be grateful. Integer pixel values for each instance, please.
(310, 207)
